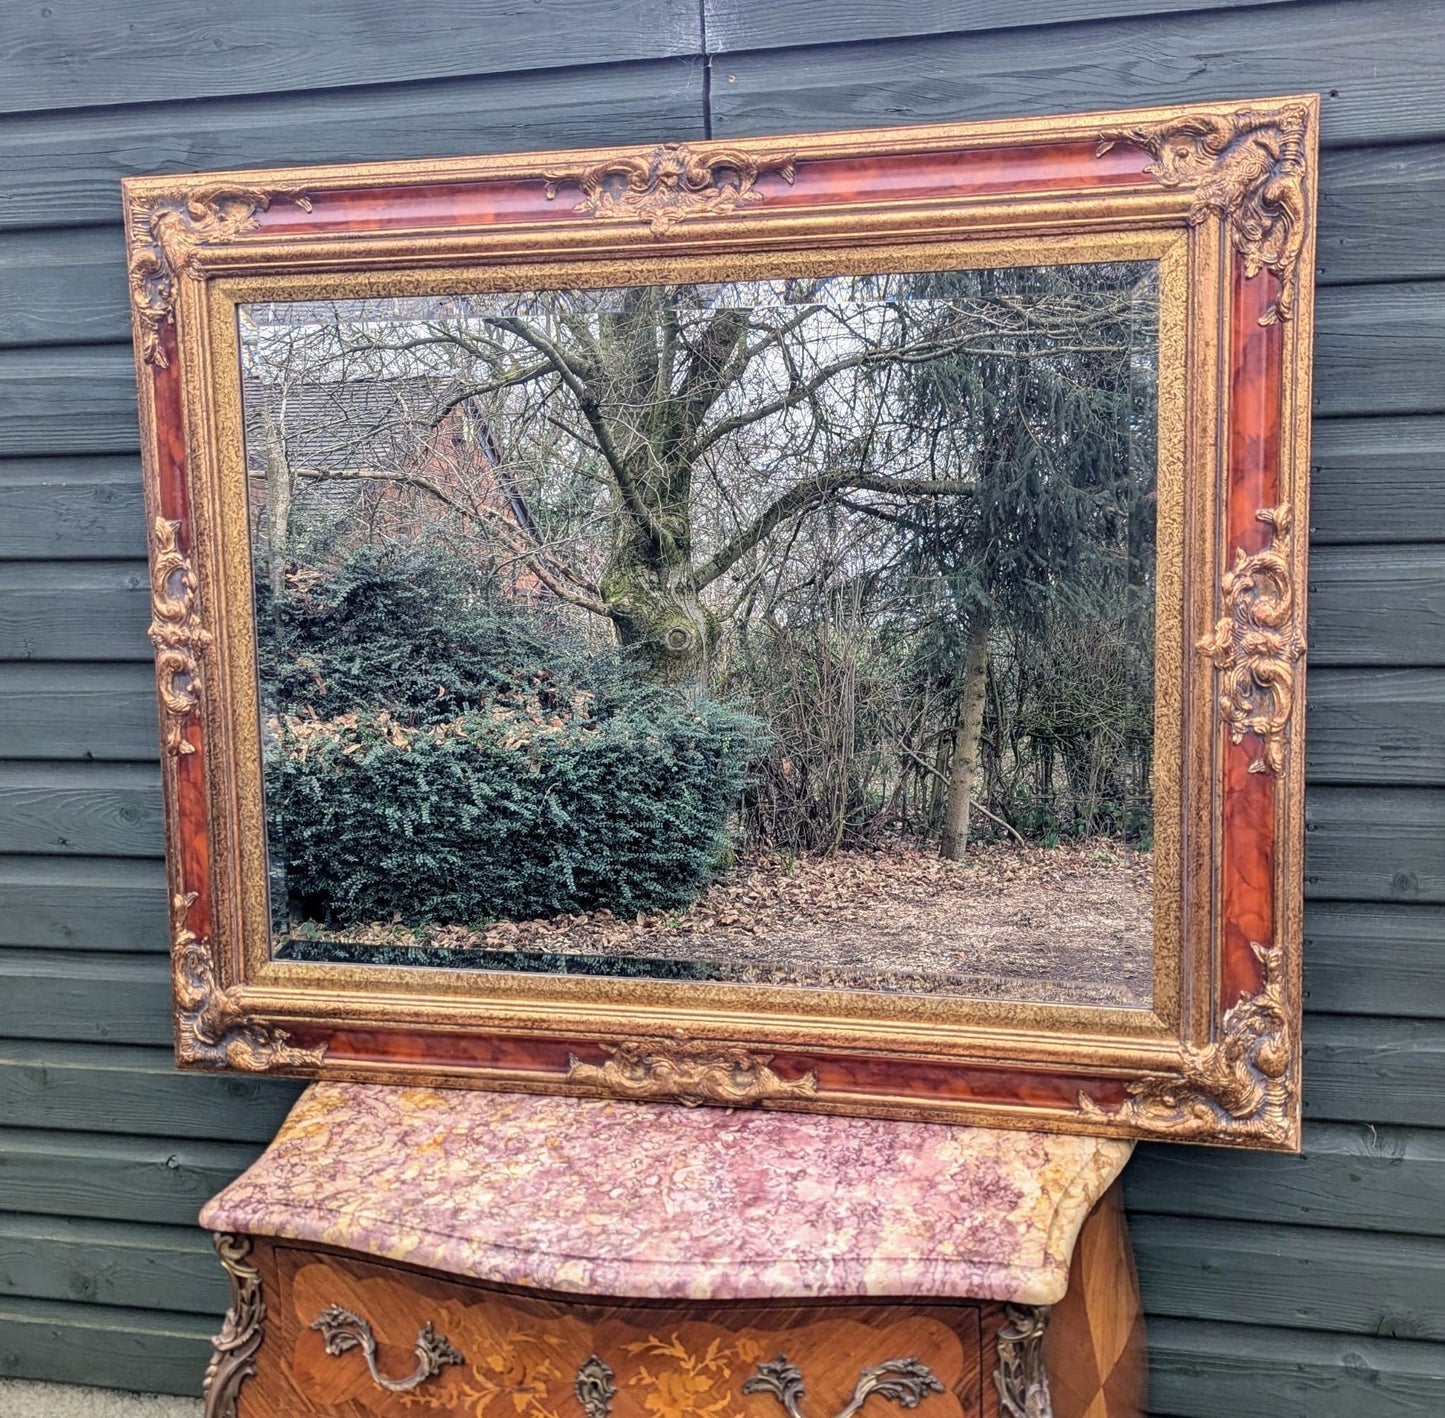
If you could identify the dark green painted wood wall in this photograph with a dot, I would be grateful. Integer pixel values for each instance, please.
(1311, 1286)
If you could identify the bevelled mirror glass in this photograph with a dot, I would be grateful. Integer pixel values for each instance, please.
(813, 622)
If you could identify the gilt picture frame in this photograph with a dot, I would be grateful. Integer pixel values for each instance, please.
(1221, 196)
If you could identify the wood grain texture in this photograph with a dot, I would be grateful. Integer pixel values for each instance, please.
(1397, 332)
(1375, 844)
(1375, 960)
(95, 712)
(80, 903)
(61, 168)
(1203, 1371)
(1381, 1070)
(1391, 1287)
(88, 996)
(1382, 82)
(1355, 1176)
(116, 1178)
(1369, 608)
(136, 1092)
(109, 1263)
(1374, 726)
(101, 809)
(68, 401)
(743, 24)
(95, 610)
(66, 509)
(1377, 480)
(1382, 214)
(89, 53)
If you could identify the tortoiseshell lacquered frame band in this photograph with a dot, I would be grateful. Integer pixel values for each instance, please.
(1222, 196)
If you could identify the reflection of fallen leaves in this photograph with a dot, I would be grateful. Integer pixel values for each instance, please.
(1073, 923)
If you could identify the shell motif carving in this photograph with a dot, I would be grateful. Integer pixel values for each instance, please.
(690, 1073)
(670, 183)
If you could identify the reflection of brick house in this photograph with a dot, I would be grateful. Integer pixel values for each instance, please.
(384, 460)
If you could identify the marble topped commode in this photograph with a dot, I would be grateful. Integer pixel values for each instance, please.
(412, 1211)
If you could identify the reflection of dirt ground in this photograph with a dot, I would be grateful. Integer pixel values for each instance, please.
(1067, 925)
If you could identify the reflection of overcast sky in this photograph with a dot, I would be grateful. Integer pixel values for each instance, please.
(327, 342)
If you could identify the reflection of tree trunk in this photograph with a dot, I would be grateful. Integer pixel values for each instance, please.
(965, 742)
(279, 485)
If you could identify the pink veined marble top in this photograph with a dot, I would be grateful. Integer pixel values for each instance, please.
(660, 1201)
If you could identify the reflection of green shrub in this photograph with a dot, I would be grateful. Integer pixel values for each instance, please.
(437, 755)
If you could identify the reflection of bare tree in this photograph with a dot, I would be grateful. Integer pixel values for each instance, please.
(645, 453)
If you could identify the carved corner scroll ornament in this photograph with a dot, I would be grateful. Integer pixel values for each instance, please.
(1250, 167)
(211, 1029)
(905, 1382)
(176, 632)
(670, 183)
(165, 236)
(233, 1359)
(1021, 1378)
(690, 1073)
(1238, 1087)
(1256, 643)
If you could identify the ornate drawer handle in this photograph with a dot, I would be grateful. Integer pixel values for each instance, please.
(341, 1330)
(594, 1388)
(905, 1381)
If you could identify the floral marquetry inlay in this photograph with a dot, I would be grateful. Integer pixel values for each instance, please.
(670, 183)
(1250, 167)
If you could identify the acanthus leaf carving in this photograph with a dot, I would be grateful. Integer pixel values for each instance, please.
(1239, 1086)
(670, 183)
(1256, 642)
(176, 632)
(166, 234)
(233, 1357)
(1022, 1378)
(211, 1028)
(1250, 167)
(692, 1073)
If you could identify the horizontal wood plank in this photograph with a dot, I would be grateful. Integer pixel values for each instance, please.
(95, 712)
(1377, 480)
(68, 401)
(81, 55)
(79, 903)
(105, 1347)
(110, 1263)
(1375, 844)
(1205, 1370)
(102, 809)
(94, 610)
(745, 24)
(89, 996)
(1387, 1071)
(134, 1091)
(1381, 214)
(1374, 726)
(1381, 83)
(69, 509)
(157, 1180)
(1379, 349)
(1299, 1277)
(1377, 607)
(1375, 960)
(63, 168)
(1353, 1176)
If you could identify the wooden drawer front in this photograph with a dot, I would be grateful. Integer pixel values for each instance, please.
(522, 1356)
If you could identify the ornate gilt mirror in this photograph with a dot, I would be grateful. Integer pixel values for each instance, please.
(813, 622)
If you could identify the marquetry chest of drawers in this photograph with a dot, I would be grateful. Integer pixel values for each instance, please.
(408, 1252)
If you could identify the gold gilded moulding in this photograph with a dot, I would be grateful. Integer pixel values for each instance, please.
(176, 632)
(1256, 642)
(691, 1073)
(1250, 167)
(211, 1029)
(1239, 1086)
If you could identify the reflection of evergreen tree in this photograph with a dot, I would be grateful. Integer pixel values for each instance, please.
(1055, 428)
